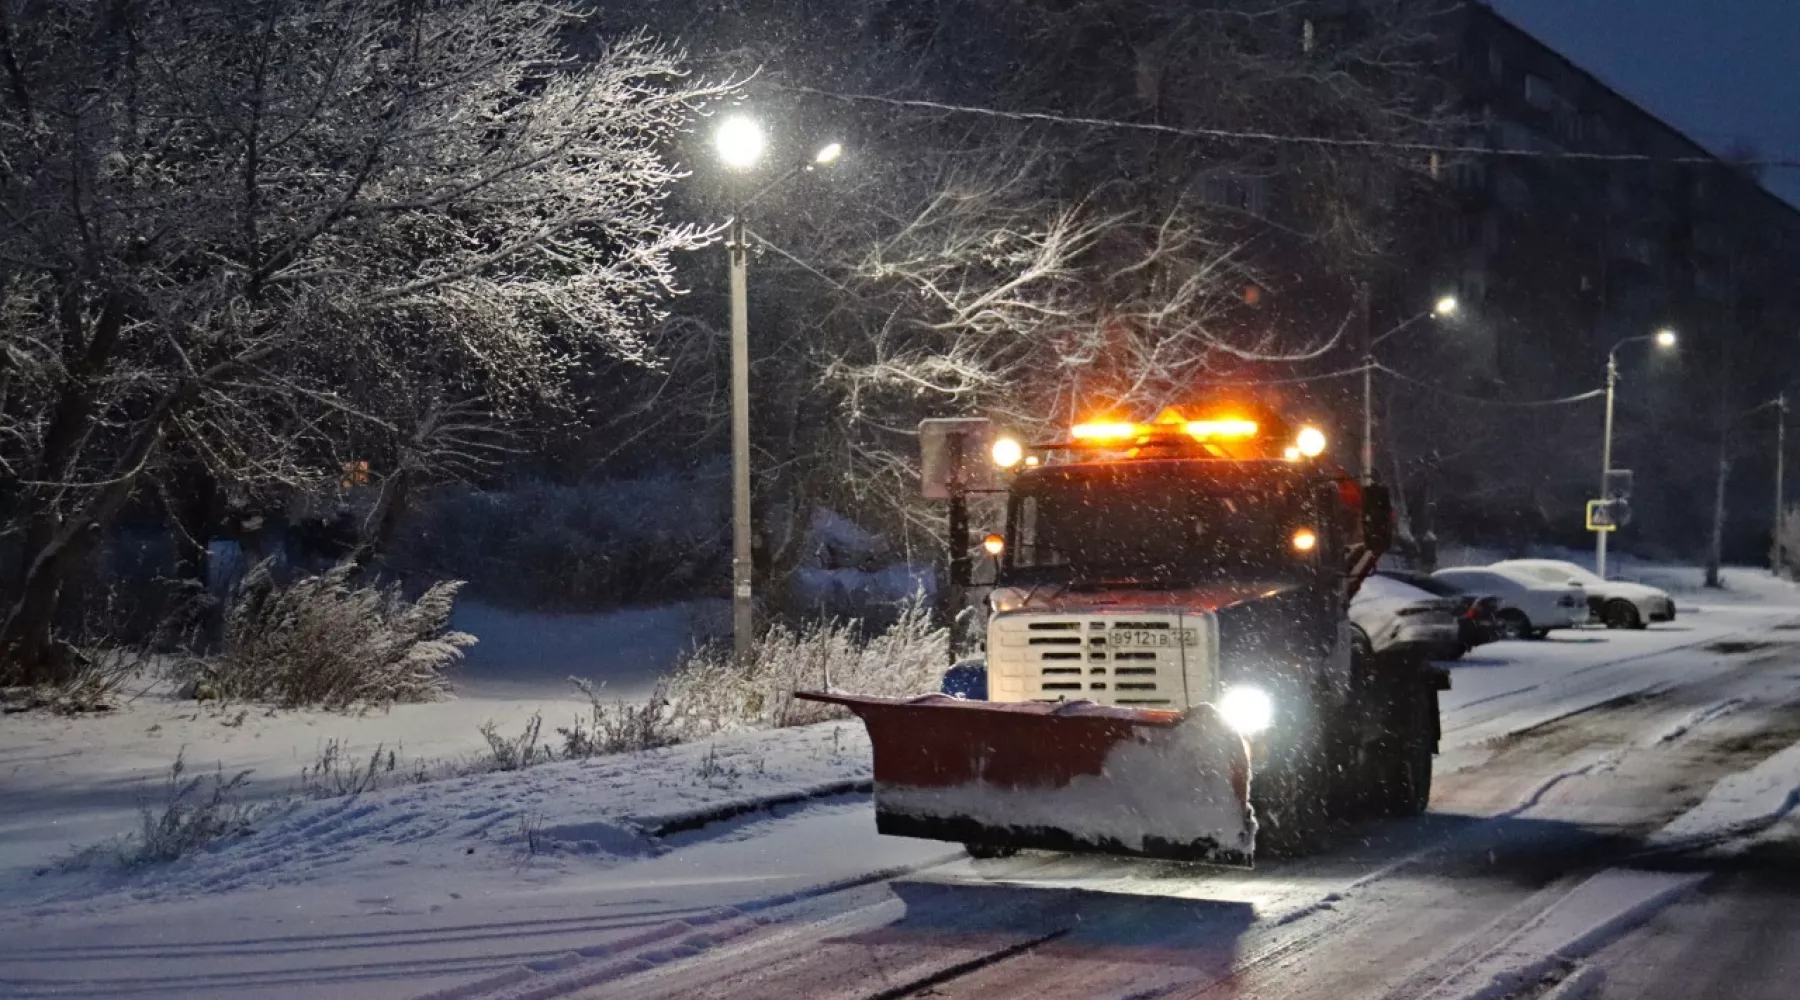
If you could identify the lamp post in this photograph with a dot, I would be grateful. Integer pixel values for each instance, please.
(1445, 307)
(1666, 340)
(740, 145)
(1781, 409)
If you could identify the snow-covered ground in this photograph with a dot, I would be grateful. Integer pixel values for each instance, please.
(69, 782)
(546, 872)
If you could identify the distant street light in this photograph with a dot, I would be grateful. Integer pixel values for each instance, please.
(1666, 340)
(740, 145)
(1444, 308)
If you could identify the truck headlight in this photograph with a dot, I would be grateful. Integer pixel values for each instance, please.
(1247, 710)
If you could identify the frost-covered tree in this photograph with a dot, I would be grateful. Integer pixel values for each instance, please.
(1087, 238)
(233, 232)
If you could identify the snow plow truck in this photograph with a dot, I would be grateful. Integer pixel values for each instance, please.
(1169, 668)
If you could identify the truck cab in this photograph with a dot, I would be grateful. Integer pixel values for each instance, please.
(1169, 667)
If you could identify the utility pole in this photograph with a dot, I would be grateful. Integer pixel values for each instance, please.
(1775, 563)
(743, 611)
(1715, 551)
(1368, 380)
(1665, 339)
(740, 145)
(1612, 384)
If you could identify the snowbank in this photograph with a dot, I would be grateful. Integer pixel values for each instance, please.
(1740, 804)
(568, 815)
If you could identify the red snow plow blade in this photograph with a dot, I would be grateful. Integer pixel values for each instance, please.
(1072, 776)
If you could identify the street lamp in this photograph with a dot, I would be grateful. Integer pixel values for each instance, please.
(1444, 308)
(1666, 340)
(740, 144)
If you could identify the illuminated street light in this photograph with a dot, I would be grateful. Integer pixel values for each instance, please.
(740, 142)
(1445, 308)
(1665, 339)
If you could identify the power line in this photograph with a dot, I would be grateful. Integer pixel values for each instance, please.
(1520, 403)
(1358, 370)
(1194, 132)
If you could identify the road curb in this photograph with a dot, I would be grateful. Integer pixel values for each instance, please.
(682, 822)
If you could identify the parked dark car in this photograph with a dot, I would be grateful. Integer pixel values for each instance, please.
(1477, 615)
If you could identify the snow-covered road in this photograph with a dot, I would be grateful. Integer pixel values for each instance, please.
(1565, 760)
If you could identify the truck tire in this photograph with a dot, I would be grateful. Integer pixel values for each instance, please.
(1402, 758)
(1289, 794)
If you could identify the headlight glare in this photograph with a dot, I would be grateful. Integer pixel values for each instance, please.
(1247, 710)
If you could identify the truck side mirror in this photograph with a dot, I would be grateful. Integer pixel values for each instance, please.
(1377, 518)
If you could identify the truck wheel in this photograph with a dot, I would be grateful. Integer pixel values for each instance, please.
(1289, 795)
(1403, 758)
(1393, 776)
(1408, 790)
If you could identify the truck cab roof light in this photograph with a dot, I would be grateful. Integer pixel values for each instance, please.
(1206, 430)
(1107, 431)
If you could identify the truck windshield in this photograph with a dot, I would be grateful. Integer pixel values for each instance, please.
(1162, 533)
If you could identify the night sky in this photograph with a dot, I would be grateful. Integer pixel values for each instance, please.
(1723, 71)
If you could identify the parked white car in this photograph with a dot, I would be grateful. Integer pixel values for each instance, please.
(1616, 603)
(1398, 617)
(1529, 607)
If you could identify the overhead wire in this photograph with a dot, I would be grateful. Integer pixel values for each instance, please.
(1341, 142)
(1518, 403)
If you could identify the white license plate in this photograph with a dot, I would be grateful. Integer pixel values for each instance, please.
(1153, 638)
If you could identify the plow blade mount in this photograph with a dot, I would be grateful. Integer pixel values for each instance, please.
(1071, 776)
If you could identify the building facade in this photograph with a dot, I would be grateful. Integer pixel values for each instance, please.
(1557, 258)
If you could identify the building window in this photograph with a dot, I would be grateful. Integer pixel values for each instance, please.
(1456, 230)
(1496, 64)
(1245, 194)
(1513, 192)
(1472, 176)
(1490, 232)
(1539, 94)
(1472, 289)
(1599, 131)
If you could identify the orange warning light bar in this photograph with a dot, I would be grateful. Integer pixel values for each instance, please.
(1107, 431)
(1207, 430)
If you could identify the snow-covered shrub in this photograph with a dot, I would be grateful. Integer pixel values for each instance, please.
(329, 642)
(188, 817)
(620, 727)
(335, 775)
(514, 753)
(711, 691)
(573, 548)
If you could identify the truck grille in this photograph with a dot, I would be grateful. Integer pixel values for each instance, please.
(1110, 660)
